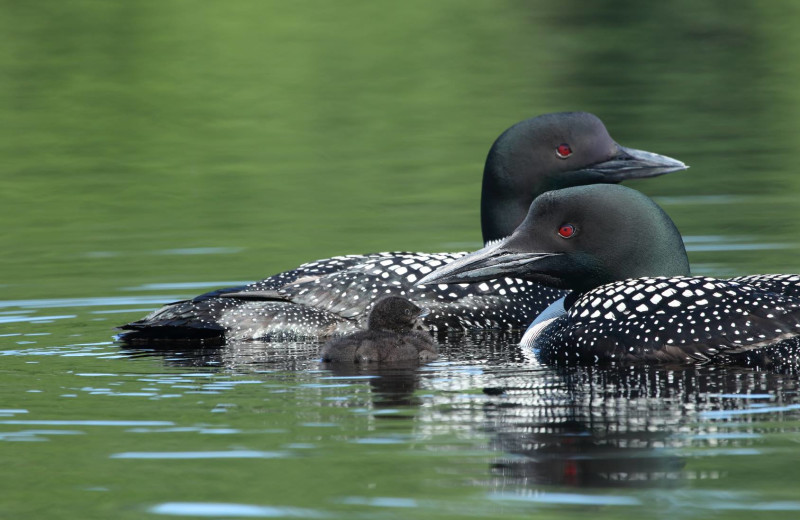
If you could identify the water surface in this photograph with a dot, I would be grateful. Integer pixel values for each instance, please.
(153, 151)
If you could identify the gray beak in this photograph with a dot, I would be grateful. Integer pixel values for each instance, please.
(491, 262)
(631, 163)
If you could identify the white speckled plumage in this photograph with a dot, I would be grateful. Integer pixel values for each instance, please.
(683, 319)
(333, 296)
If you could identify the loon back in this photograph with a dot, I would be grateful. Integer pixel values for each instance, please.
(338, 302)
(333, 295)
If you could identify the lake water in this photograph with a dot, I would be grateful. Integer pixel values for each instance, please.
(154, 150)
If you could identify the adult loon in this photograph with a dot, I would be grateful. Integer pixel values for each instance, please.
(389, 337)
(333, 295)
(633, 298)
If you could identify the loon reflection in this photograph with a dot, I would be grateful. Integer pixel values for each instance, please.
(582, 426)
(628, 427)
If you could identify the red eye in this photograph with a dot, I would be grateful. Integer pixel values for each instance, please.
(563, 150)
(566, 231)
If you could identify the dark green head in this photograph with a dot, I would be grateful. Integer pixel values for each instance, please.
(551, 152)
(580, 238)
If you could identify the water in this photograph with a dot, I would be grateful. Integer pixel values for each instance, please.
(154, 150)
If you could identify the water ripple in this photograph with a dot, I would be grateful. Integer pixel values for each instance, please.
(220, 509)
(723, 414)
(89, 422)
(184, 285)
(88, 302)
(381, 501)
(569, 498)
(200, 251)
(34, 319)
(172, 455)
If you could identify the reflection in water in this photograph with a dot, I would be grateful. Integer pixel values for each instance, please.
(628, 426)
(568, 453)
(592, 427)
(176, 357)
(391, 385)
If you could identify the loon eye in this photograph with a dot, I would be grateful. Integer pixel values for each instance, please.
(563, 151)
(566, 231)
(408, 312)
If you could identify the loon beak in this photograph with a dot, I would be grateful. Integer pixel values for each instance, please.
(493, 261)
(419, 321)
(630, 163)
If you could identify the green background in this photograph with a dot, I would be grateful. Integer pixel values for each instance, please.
(150, 144)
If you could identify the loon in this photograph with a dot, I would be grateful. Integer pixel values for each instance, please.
(633, 298)
(333, 295)
(389, 337)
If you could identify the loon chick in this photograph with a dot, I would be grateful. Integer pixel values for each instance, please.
(389, 337)
(633, 298)
(333, 295)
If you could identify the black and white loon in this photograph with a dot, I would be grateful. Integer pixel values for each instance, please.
(632, 297)
(334, 295)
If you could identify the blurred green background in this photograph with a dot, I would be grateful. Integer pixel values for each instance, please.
(186, 141)
(148, 142)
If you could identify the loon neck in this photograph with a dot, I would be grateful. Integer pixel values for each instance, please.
(506, 194)
(502, 210)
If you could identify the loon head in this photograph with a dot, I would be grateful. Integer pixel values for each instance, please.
(551, 152)
(395, 314)
(579, 238)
